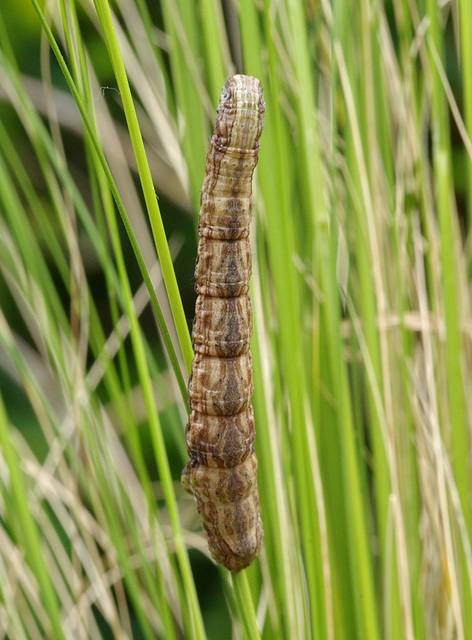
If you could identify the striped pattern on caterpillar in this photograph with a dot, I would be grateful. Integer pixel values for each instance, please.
(222, 471)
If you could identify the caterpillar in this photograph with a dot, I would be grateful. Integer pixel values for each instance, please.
(222, 470)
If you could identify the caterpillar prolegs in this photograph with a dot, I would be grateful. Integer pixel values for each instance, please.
(222, 471)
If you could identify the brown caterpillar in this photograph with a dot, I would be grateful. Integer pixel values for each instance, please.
(222, 471)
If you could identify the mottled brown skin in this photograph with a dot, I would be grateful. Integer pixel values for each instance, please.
(222, 471)
(220, 386)
(223, 268)
(222, 326)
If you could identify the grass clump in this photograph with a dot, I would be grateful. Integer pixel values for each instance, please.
(361, 292)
